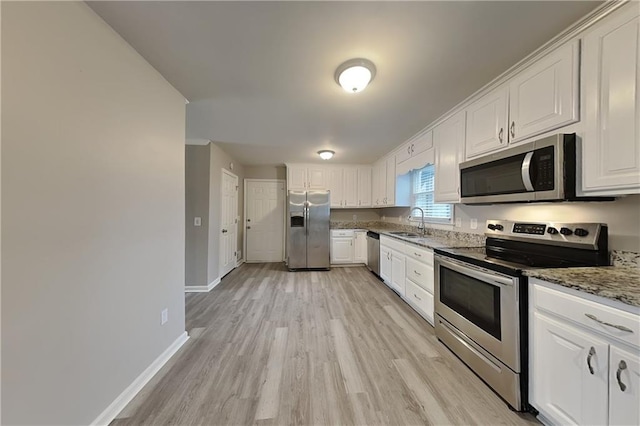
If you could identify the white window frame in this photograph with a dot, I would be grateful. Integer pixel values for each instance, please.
(414, 195)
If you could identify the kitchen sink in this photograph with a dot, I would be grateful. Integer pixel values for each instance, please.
(404, 234)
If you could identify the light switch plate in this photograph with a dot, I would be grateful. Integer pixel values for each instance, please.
(473, 224)
(197, 221)
(458, 222)
(164, 316)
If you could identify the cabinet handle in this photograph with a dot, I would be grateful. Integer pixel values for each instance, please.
(413, 148)
(409, 150)
(513, 129)
(417, 273)
(416, 296)
(621, 366)
(417, 254)
(592, 352)
(608, 324)
(500, 134)
(248, 227)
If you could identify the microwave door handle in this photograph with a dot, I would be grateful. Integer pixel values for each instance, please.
(526, 171)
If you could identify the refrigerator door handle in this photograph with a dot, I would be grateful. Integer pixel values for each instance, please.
(306, 218)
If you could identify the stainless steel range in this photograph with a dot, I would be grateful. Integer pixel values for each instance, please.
(481, 294)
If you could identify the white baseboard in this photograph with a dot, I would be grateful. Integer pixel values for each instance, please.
(202, 288)
(240, 262)
(136, 386)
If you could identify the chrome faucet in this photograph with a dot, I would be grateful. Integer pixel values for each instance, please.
(421, 225)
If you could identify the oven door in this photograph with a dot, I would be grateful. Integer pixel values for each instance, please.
(482, 304)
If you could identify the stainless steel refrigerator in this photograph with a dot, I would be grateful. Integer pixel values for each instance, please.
(308, 230)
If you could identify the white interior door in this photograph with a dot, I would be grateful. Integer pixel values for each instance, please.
(264, 221)
(228, 222)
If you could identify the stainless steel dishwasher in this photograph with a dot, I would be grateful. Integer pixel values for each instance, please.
(373, 252)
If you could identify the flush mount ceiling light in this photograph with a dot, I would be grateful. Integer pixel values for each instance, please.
(325, 154)
(355, 74)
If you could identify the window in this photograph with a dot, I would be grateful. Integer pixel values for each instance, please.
(422, 186)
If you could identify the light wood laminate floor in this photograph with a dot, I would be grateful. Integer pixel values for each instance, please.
(271, 347)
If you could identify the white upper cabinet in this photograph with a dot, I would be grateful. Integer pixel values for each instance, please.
(303, 177)
(611, 86)
(448, 141)
(364, 186)
(297, 178)
(317, 177)
(390, 198)
(350, 186)
(544, 96)
(334, 178)
(487, 123)
(415, 147)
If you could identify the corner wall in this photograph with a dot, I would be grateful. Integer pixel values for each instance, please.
(93, 214)
(197, 170)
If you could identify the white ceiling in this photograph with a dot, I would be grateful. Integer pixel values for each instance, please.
(259, 75)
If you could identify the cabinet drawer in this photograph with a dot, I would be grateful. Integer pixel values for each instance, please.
(419, 299)
(420, 274)
(393, 243)
(342, 233)
(589, 314)
(420, 254)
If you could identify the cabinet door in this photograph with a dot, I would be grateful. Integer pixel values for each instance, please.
(342, 250)
(611, 88)
(487, 123)
(397, 271)
(385, 264)
(404, 153)
(624, 373)
(381, 183)
(544, 96)
(317, 177)
(350, 186)
(297, 178)
(448, 140)
(390, 188)
(364, 186)
(334, 185)
(564, 389)
(422, 143)
(360, 254)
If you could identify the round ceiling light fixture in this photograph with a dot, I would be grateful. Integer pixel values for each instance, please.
(355, 74)
(326, 154)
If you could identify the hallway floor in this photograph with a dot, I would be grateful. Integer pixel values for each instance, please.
(272, 347)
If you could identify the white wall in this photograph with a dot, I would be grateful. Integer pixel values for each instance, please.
(93, 213)
(265, 172)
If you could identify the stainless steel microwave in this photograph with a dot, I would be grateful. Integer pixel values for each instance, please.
(543, 170)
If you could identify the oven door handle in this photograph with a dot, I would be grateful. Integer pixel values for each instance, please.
(526, 171)
(472, 271)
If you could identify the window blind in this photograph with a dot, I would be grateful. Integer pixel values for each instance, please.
(422, 196)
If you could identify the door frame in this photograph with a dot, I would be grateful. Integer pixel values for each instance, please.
(235, 265)
(244, 216)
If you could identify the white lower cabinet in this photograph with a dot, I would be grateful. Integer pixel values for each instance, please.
(360, 246)
(624, 387)
(348, 246)
(408, 270)
(582, 371)
(341, 246)
(385, 263)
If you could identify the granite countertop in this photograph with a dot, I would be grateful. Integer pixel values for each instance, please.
(431, 241)
(611, 282)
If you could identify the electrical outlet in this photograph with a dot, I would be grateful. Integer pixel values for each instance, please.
(164, 316)
(473, 223)
(197, 221)
(458, 222)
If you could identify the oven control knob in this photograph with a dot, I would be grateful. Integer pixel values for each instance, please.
(551, 230)
(491, 226)
(566, 231)
(581, 232)
(499, 227)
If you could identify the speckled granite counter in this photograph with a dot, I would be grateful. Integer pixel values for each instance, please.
(431, 241)
(612, 282)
